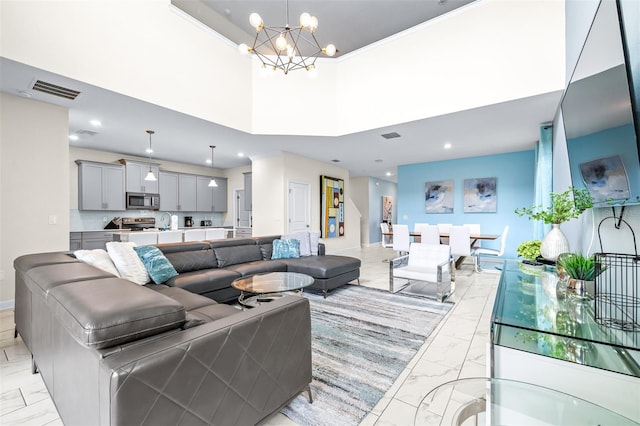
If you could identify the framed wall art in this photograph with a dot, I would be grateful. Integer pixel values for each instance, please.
(332, 207)
(439, 196)
(387, 209)
(480, 195)
(606, 179)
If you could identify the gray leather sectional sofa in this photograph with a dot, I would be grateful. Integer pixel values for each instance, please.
(209, 267)
(112, 352)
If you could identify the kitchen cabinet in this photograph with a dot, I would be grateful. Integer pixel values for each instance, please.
(101, 186)
(75, 241)
(96, 239)
(210, 199)
(178, 192)
(548, 336)
(248, 193)
(136, 171)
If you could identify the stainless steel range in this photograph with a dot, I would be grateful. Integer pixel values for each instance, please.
(132, 223)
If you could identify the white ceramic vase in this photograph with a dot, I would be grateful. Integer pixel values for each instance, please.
(554, 243)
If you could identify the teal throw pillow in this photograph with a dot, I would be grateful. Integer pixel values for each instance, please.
(286, 249)
(158, 266)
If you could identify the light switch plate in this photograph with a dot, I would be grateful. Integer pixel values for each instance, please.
(53, 219)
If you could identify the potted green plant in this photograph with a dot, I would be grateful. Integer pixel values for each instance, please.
(581, 270)
(530, 250)
(564, 206)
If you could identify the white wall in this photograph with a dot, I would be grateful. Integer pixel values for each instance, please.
(271, 177)
(33, 182)
(488, 52)
(360, 197)
(143, 49)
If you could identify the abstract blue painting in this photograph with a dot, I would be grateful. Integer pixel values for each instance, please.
(439, 196)
(480, 195)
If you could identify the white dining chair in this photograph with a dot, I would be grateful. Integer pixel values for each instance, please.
(401, 239)
(387, 240)
(491, 252)
(444, 229)
(429, 234)
(460, 242)
(418, 226)
(474, 228)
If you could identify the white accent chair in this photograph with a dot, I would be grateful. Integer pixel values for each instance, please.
(491, 252)
(425, 271)
(194, 235)
(429, 234)
(401, 239)
(215, 234)
(460, 242)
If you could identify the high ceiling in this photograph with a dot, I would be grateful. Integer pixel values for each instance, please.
(507, 127)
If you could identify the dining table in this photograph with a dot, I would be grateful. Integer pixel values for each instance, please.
(473, 238)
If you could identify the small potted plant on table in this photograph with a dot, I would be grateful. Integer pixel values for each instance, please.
(581, 270)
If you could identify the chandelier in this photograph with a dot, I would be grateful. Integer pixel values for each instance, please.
(286, 48)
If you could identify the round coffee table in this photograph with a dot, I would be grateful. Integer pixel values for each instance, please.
(508, 402)
(271, 286)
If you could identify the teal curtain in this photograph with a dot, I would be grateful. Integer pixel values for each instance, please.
(543, 178)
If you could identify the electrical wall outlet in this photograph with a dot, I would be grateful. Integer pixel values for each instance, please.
(53, 219)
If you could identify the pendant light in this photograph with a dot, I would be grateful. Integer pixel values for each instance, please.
(212, 182)
(150, 176)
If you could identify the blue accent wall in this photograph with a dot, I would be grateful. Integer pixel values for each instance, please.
(515, 182)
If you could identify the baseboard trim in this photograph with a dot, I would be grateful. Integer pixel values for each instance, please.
(6, 305)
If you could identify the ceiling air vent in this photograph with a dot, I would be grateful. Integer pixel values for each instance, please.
(52, 89)
(391, 135)
(86, 132)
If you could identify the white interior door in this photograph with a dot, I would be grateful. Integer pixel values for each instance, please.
(299, 207)
(242, 216)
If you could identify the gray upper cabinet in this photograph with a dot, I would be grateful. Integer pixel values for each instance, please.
(136, 172)
(168, 186)
(210, 199)
(204, 196)
(220, 195)
(101, 186)
(248, 193)
(187, 190)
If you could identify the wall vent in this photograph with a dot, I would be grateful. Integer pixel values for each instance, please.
(391, 135)
(86, 132)
(55, 90)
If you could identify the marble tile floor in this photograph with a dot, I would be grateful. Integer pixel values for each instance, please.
(457, 348)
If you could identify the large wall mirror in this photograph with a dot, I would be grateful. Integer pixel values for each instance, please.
(598, 118)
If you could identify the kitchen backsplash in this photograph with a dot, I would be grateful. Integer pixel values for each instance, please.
(82, 220)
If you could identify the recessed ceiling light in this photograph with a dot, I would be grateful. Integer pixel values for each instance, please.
(73, 137)
(389, 174)
(95, 123)
(208, 161)
(241, 154)
(149, 151)
(447, 145)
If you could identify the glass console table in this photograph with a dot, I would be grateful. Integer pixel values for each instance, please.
(545, 335)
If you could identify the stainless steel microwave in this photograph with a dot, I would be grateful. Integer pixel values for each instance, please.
(140, 201)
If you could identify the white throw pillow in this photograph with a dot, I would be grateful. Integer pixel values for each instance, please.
(128, 262)
(98, 258)
(303, 237)
(314, 241)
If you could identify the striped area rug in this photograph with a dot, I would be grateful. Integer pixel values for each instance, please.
(362, 339)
